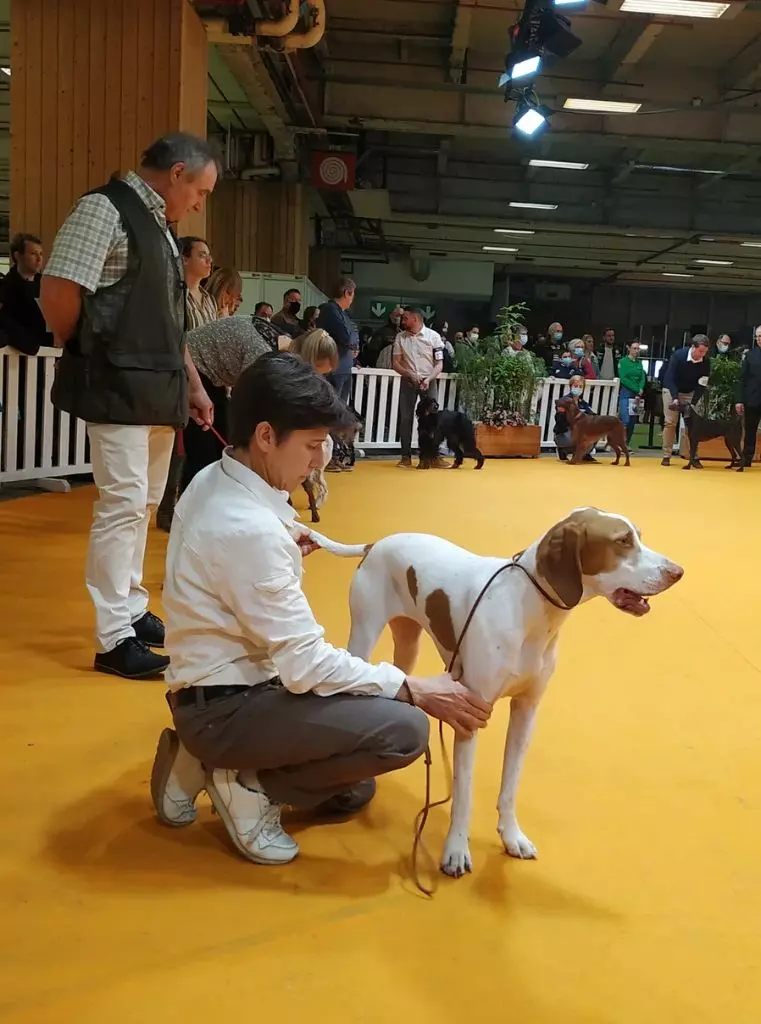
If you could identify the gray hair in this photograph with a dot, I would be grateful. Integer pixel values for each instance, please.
(180, 148)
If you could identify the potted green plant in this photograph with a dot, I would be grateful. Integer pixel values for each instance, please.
(497, 387)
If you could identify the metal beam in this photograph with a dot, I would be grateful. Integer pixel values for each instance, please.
(742, 71)
(633, 40)
(460, 38)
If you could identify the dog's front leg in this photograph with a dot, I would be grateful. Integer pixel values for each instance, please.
(522, 716)
(456, 860)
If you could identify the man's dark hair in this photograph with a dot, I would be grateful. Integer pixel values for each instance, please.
(291, 291)
(187, 242)
(342, 286)
(18, 243)
(416, 311)
(180, 148)
(287, 393)
(260, 306)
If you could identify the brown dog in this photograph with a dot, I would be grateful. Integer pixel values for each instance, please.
(587, 430)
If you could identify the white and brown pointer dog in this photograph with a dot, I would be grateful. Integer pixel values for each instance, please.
(415, 582)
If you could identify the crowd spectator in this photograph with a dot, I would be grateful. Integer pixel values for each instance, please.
(749, 405)
(22, 324)
(609, 356)
(581, 362)
(418, 359)
(226, 289)
(125, 370)
(686, 368)
(562, 429)
(632, 377)
(335, 319)
(565, 368)
(196, 259)
(287, 320)
(310, 318)
(318, 349)
(385, 336)
(723, 345)
(589, 352)
(262, 321)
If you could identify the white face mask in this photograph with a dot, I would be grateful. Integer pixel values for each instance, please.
(722, 348)
(523, 338)
(473, 335)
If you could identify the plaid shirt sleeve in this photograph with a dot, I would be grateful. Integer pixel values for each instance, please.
(85, 242)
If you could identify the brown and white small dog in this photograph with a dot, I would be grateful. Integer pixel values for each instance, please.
(587, 430)
(415, 582)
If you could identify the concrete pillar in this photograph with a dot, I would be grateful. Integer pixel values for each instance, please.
(94, 82)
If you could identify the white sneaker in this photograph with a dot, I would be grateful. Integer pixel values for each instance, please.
(251, 819)
(176, 780)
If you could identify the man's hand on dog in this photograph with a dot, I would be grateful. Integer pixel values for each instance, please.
(448, 700)
(307, 545)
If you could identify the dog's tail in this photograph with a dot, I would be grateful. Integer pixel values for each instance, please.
(342, 550)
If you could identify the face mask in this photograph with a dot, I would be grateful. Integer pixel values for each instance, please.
(578, 352)
(294, 307)
(722, 348)
(576, 392)
(473, 335)
(523, 338)
(566, 361)
(557, 336)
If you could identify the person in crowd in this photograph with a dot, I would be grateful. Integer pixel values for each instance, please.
(318, 349)
(749, 404)
(116, 250)
(723, 345)
(418, 359)
(581, 362)
(448, 356)
(545, 351)
(459, 338)
(196, 259)
(555, 335)
(262, 321)
(22, 324)
(309, 319)
(200, 308)
(271, 714)
(686, 368)
(385, 360)
(565, 367)
(609, 356)
(473, 335)
(589, 352)
(221, 351)
(385, 336)
(335, 319)
(226, 289)
(517, 344)
(287, 320)
(563, 440)
(633, 379)
(366, 356)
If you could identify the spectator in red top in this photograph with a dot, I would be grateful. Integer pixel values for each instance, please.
(582, 363)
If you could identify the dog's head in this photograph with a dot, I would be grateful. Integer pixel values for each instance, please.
(572, 411)
(427, 406)
(594, 553)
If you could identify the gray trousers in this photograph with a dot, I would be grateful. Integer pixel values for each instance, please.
(408, 396)
(303, 748)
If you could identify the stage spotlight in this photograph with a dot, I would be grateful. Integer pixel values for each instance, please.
(520, 66)
(530, 118)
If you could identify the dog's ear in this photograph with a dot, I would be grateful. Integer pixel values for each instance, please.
(558, 560)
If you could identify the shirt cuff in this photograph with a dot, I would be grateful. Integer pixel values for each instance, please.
(391, 681)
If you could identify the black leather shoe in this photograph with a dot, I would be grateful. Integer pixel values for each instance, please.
(150, 630)
(131, 659)
(349, 802)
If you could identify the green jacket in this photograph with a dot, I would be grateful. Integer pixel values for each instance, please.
(632, 375)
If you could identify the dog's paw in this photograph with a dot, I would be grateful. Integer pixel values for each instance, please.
(517, 845)
(456, 860)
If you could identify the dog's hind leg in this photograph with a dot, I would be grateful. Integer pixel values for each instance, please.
(368, 615)
(456, 859)
(406, 633)
(459, 453)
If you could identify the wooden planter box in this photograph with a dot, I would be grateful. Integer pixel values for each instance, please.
(714, 450)
(509, 442)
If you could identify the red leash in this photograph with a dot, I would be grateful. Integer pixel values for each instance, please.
(219, 437)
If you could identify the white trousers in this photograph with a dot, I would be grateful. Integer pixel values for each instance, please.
(130, 467)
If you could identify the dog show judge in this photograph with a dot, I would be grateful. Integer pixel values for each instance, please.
(418, 358)
(266, 711)
(686, 368)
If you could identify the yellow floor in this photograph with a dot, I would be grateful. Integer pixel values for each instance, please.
(642, 791)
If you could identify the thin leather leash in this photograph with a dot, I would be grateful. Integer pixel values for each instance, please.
(422, 816)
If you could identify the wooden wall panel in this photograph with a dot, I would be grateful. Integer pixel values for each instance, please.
(93, 84)
(260, 226)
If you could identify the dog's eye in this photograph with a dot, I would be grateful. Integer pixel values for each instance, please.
(626, 541)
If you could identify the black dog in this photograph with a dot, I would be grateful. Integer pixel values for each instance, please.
(436, 425)
(699, 428)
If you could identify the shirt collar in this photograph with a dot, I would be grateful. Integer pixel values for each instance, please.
(689, 356)
(276, 501)
(150, 196)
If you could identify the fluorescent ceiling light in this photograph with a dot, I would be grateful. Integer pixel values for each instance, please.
(751, 245)
(569, 3)
(677, 8)
(675, 170)
(6, 71)
(667, 274)
(534, 206)
(521, 231)
(563, 165)
(601, 106)
(716, 263)
(497, 248)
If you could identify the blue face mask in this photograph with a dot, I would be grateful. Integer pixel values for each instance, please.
(566, 361)
(578, 352)
(576, 392)
(557, 336)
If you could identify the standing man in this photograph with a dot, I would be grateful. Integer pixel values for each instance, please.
(749, 394)
(418, 357)
(113, 294)
(609, 356)
(385, 335)
(686, 368)
(335, 319)
(287, 320)
(262, 321)
(20, 317)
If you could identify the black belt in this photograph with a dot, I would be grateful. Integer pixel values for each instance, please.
(194, 695)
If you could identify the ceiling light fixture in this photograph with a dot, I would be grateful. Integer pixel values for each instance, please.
(677, 8)
(751, 245)
(716, 263)
(562, 165)
(530, 117)
(675, 170)
(666, 273)
(569, 3)
(601, 106)
(497, 248)
(519, 231)
(534, 206)
(6, 71)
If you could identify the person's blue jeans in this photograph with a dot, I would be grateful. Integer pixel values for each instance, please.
(341, 377)
(624, 397)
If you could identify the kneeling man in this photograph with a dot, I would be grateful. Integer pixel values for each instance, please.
(266, 712)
